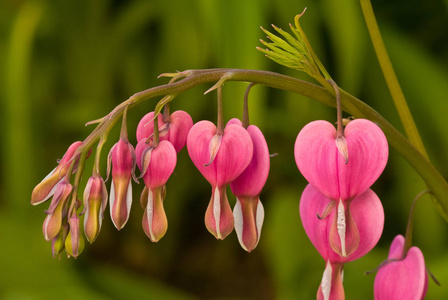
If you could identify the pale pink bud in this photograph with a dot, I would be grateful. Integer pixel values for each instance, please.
(95, 201)
(46, 188)
(122, 157)
(57, 210)
(74, 243)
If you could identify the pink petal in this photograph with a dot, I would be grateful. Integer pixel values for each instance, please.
(253, 178)
(366, 211)
(162, 164)
(233, 156)
(320, 162)
(145, 127)
(180, 125)
(403, 279)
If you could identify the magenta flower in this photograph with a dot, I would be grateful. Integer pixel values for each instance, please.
(366, 211)
(95, 201)
(402, 276)
(174, 131)
(57, 210)
(359, 233)
(46, 188)
(321, 163)
(318, 157)
(249, 212)
(122, 157)
(221, 158)
(157, 165)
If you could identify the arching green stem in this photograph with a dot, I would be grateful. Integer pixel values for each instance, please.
(391, 79)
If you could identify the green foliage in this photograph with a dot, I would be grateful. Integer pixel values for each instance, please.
(64, 63)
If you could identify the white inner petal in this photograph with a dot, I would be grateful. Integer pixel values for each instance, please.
(326, 281)
(150, 213)
(239, 223)
(259, 218)
(217, 211)
(112, 201)
(341, 225)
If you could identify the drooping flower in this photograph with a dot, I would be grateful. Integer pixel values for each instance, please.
(122, 158)
(341, 178)
(57, 210)
(322, 165)
(174, 131)
(221, 158)
(46, 188)
(366, 211)
(361, 231)
(249, 212)
(156, 164)
(401, 276)
(95, 201)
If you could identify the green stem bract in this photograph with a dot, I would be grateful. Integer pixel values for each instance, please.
(390, 77)
(350, 104)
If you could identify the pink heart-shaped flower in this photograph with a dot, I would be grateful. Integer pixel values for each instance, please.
(402, 278)
(366, 212)
(233, 155)
(174, 131)
(321, 163)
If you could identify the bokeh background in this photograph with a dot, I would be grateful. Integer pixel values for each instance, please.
(64, 63)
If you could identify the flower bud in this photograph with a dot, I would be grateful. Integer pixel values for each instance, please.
(95, 201)
(55, 213)
(122, 158)
(46, 188)
(74, 243)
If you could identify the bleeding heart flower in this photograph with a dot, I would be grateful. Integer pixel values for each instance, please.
(157, 165)
(74, 242)
(46, 188)
(363, 226)
(174, 131)
(401, 276)
(57, 210)
(321, 163)
(95, 201)
(122, 157)
(221, 158)
(249, 212)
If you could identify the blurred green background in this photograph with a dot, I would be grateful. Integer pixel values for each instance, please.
(64, 63)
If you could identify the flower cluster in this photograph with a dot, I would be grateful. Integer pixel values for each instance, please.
(341, 215)
(235, 156)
